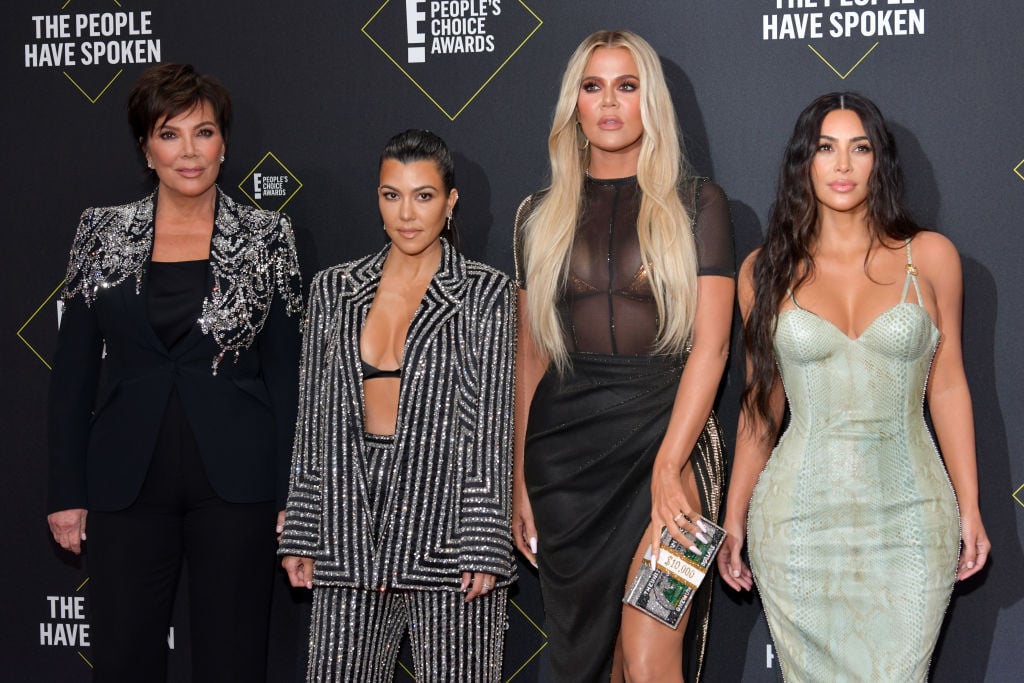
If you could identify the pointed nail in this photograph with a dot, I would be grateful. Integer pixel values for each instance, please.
(533, 545)
(702, 538)
(534, 565)
(695, 549)
(702, 526)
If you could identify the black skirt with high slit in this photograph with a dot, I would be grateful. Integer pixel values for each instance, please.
(592, 437)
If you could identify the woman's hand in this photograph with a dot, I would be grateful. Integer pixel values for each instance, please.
(280, 524)
(476, 584)
(68, 528)
(731, 566)
(672, 509)
(300, 570)
(976, 546)
(524, 533)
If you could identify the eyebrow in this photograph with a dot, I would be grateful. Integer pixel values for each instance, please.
(617, 78)
(198, 125)
(415, 189)
(856, 139)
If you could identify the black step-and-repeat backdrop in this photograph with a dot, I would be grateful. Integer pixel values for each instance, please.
(319, 85)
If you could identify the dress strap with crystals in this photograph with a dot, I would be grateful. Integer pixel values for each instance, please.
(911, 277)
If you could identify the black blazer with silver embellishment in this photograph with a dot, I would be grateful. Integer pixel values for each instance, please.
(447, 508)
(112, 375)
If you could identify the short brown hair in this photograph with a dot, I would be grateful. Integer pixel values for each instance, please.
(166, 90)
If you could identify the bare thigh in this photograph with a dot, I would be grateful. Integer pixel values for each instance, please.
(646, 648)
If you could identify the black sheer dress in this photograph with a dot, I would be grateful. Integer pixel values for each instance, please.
(593, 433)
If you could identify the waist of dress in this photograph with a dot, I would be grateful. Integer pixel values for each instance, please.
(584, 359)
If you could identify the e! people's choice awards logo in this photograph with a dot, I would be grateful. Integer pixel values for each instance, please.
(92, 46)
(838, 31)
(270, 185)
(451, 49)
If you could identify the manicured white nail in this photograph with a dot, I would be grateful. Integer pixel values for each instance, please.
(279, 528)
(533, 545)
(702, 526)
(735, 573)
(695, 549)
(702, 538)
(534, 565)
(970, 565)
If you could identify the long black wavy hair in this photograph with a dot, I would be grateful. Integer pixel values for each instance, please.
(785, 260)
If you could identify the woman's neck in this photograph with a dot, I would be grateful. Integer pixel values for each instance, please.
(177, 208)
(413, 267)
(606, 165)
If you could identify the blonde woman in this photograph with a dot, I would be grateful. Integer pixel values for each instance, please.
(626, 273)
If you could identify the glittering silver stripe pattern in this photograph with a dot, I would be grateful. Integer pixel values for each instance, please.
(447, 507)
(252, 258)
(355, 635)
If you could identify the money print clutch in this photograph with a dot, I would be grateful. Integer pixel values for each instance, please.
(665, 592)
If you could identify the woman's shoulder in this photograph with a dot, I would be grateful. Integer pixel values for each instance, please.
(699, 192)
(934, 253)
(250, 216)
(483, 276)
(115, 216)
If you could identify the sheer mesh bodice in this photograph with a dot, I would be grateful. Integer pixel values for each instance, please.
(607, 305)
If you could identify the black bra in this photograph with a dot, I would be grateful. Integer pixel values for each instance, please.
(370, 372)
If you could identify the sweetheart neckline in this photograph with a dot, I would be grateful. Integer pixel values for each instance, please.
(870, 325)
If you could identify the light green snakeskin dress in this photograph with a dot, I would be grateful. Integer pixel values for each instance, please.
(853, 525)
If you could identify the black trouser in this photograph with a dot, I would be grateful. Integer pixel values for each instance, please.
(135, 556)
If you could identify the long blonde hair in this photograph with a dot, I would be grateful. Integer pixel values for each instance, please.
(667, 246)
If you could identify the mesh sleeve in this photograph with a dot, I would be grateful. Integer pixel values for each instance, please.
(712, 230)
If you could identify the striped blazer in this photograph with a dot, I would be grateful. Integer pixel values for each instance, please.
(449, 510)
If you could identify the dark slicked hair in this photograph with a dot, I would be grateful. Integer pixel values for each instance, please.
(422, 145)
(785, 260)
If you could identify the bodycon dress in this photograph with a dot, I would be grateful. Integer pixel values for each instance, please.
(853, 525)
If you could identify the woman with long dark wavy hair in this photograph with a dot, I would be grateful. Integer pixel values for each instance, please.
(852, 314)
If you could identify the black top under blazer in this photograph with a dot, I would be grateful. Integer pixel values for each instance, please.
(235, 372)
(447, 510)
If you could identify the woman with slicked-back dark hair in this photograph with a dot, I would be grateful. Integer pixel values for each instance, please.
(852, 315)
(172, 401)
(398, 512)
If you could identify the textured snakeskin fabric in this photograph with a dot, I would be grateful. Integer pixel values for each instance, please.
(853, 525)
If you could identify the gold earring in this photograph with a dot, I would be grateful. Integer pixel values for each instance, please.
(581, 135)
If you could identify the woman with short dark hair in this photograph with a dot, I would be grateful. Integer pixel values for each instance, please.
(172, 401)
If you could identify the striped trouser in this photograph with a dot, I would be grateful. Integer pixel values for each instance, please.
(355, 635)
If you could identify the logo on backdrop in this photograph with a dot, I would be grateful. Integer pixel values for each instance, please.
(842, 33)
(91, 43)
(451, 49)
(270, 185)
(66, 624)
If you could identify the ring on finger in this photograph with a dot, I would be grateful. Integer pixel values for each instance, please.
(681, 514)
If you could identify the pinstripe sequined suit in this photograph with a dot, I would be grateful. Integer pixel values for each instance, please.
(446, 509)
